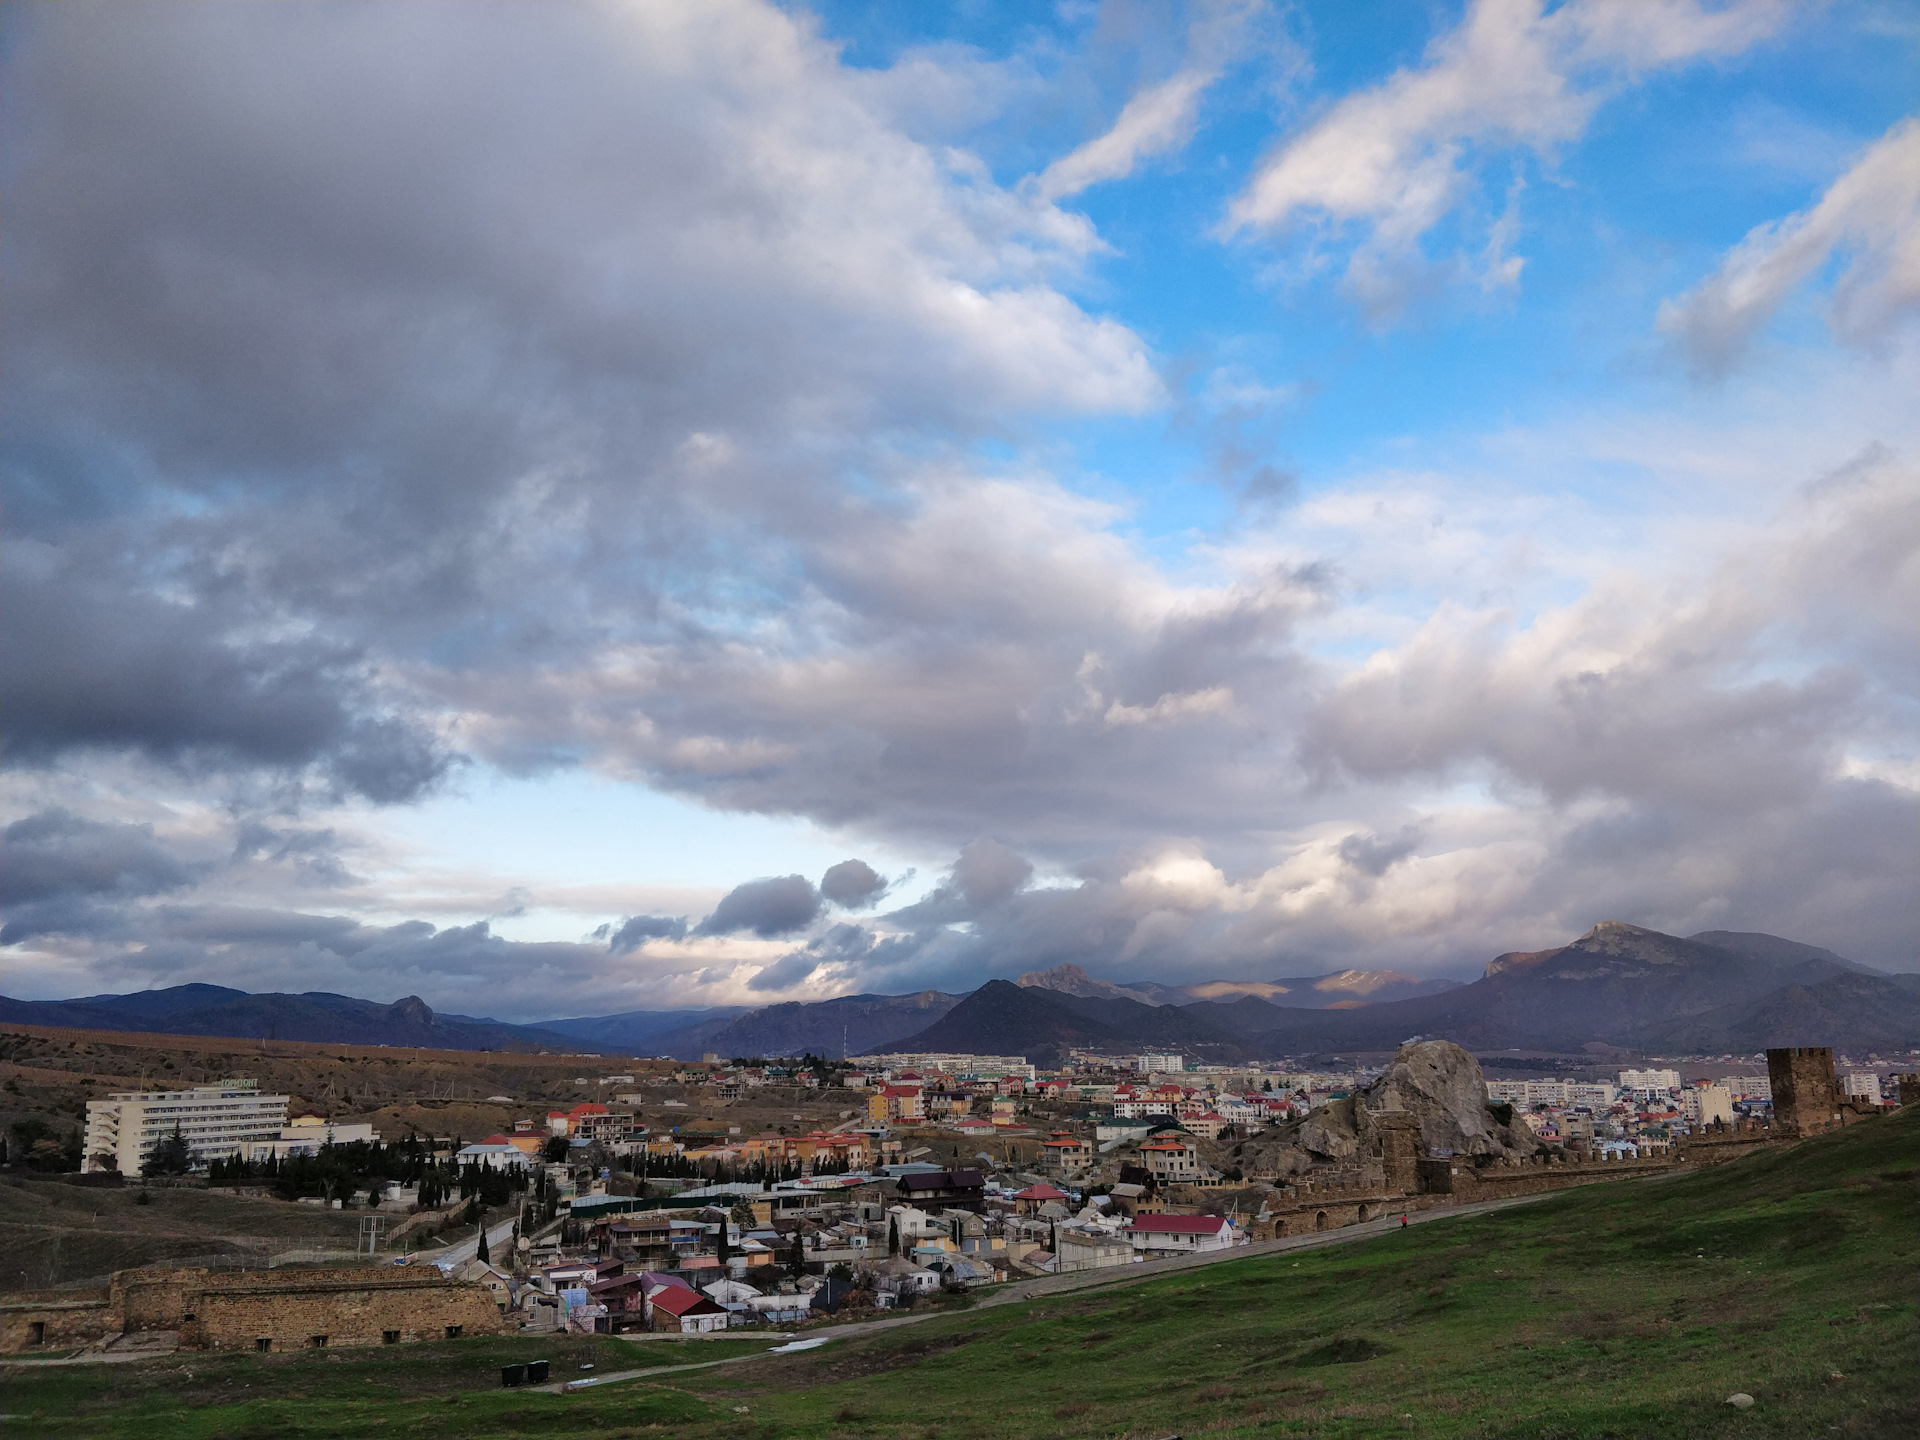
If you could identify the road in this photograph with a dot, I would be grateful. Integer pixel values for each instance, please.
(461, 1251)
(1047, 1286)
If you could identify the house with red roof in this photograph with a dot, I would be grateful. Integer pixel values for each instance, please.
(1065, 1154)
(1156, 1235)
(1171, 1158)
(676, 1308)
(1029, 1200)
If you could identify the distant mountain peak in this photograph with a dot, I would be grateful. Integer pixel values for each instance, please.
(1364, 982)
(411, 1010)
(1071, 979)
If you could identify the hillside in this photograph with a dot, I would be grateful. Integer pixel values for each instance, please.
(641, 1031)
(851, 1025)
(1620, 984)
(1002, 1018)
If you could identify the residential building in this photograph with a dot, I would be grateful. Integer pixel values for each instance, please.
(1706, 1103)
(496, 1151)
(677, 1308)
(955, 1189)
(1157, 1064)
(1065, 1154)
(305, 1135)
(217, 1121)
(1171, 1159)
(899, 1103)
(1180, 1234)
(1649, 1079)
(983, 1067)
(1206, 1125)
(1864, 1085)
(1091, 1250)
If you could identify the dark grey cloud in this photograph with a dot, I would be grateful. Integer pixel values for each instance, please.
(776, 906)
(852, 884)
(1376, 854)
(94, 664)
(57, 869)
(630, 934)
(55, 853)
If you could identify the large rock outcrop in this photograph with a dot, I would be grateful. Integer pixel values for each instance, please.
(1432, 1086)
(1440, 1085)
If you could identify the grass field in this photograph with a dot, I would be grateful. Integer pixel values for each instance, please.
(1629, 1309)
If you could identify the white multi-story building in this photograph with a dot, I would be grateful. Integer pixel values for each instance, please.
(1160, 1064)
(1865, 1084)
(1705, 1103)
(1649, 1079)
(306, 1135)
(216, 1121)
(983, 1067)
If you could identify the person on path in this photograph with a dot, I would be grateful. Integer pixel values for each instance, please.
(1403, 1219)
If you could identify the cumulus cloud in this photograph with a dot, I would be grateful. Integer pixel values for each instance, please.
(776, 906)
(505, 386)
(852, 884)
(1390, 162)
(1871, 215)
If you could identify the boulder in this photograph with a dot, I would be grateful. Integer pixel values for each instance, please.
(1441, 1084)
(1434, 1083)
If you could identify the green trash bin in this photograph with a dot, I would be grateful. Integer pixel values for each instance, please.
(537, 1371)
(511, 1375)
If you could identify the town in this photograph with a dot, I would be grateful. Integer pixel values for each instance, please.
(889, 1183)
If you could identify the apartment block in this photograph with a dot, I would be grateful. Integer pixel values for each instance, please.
(216, 1121)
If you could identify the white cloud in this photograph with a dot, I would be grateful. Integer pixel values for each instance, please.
(1161, 117)
(1871, 215)
(1395, 159)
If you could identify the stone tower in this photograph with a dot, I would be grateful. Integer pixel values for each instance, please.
(1399, 1135)
(1806, 1098)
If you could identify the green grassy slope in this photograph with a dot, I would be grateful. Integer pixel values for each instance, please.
(1627, 1309)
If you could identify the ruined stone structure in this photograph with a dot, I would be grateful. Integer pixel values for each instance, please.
(1806, 1095)
(1908, 1088)
(255, 1310)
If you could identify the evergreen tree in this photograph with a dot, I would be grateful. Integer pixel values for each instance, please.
(723, 1251)
(481, 1251)
(170, 1157)
(893, 1235)
(796, 1257)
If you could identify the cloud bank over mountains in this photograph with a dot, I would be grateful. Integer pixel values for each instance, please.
(396, 393)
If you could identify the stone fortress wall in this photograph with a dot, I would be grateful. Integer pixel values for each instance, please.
(255, 1310)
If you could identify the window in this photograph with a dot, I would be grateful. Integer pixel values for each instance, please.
(263, 1344)
(453, 1331)
(318, 1342)
(37, 1332)
(389, 1337)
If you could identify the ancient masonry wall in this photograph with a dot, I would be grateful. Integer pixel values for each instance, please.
(337, 1307)
(1806, 1096)
(349, 1306)
(55, 1320)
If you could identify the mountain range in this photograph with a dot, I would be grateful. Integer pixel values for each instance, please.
(1618, 986)
(316, 1015)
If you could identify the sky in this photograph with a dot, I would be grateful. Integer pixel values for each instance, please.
(569, 508)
